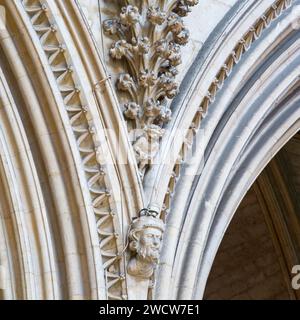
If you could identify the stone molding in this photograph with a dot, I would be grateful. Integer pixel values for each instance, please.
(239, 50)
(249, 137)
(60, 62)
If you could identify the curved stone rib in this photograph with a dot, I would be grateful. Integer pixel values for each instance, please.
(77, 112)
(241, 47)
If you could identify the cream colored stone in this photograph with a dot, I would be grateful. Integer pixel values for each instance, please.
(69, 208)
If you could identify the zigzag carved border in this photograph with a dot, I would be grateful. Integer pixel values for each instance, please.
(60, 62)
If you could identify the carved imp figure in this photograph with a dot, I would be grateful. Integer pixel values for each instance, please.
(147, 146)
(145, 242)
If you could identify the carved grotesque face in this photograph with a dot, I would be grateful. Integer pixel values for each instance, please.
(149, 244)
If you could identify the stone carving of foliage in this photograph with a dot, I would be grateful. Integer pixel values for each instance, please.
(148, 35)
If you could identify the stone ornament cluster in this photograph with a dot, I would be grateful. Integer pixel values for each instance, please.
(145, 239)
(148, 36)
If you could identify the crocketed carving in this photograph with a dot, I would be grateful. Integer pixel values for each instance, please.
(145, 242)
(148, 36)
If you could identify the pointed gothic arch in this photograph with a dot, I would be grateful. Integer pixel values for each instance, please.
(253, 116)
(72, 189)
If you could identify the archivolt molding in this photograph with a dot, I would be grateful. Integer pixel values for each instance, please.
(32, 272)
(16, 254)
(254, 119)
(277, 197)
(110, 193)
(288, 128)
(242, 47)
(184, 143)
(45, 23)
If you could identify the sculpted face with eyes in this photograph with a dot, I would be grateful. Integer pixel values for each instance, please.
(145, 242)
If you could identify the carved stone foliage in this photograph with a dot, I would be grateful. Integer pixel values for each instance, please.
(148, 35)
(145, 243)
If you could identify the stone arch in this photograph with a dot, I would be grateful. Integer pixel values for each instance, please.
(260, 246)
(255, 114)
(75, 198)
(68, 199)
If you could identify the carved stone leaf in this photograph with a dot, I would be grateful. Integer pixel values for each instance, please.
(149, 38)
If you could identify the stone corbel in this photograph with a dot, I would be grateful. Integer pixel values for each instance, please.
(145, 238)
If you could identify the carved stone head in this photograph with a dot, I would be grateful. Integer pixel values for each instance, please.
(145, 244)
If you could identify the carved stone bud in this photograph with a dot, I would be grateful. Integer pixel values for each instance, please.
(169, 86)
(182, 38)
(152, 108)
(172, 71)
(175, 59)
(167, 83)
(110, 26)
(173, 92)
(182, 9)
(165, 115)
(141, 45)
(129, 15)
(175, 23)
(161, 48)
(125, 82)
(147, 79)
(174, 54)
(119, 49)
(132, 110)
(155, 15)
(145, 238)
(191, 3)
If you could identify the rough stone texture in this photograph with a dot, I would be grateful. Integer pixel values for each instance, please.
(246, 265)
